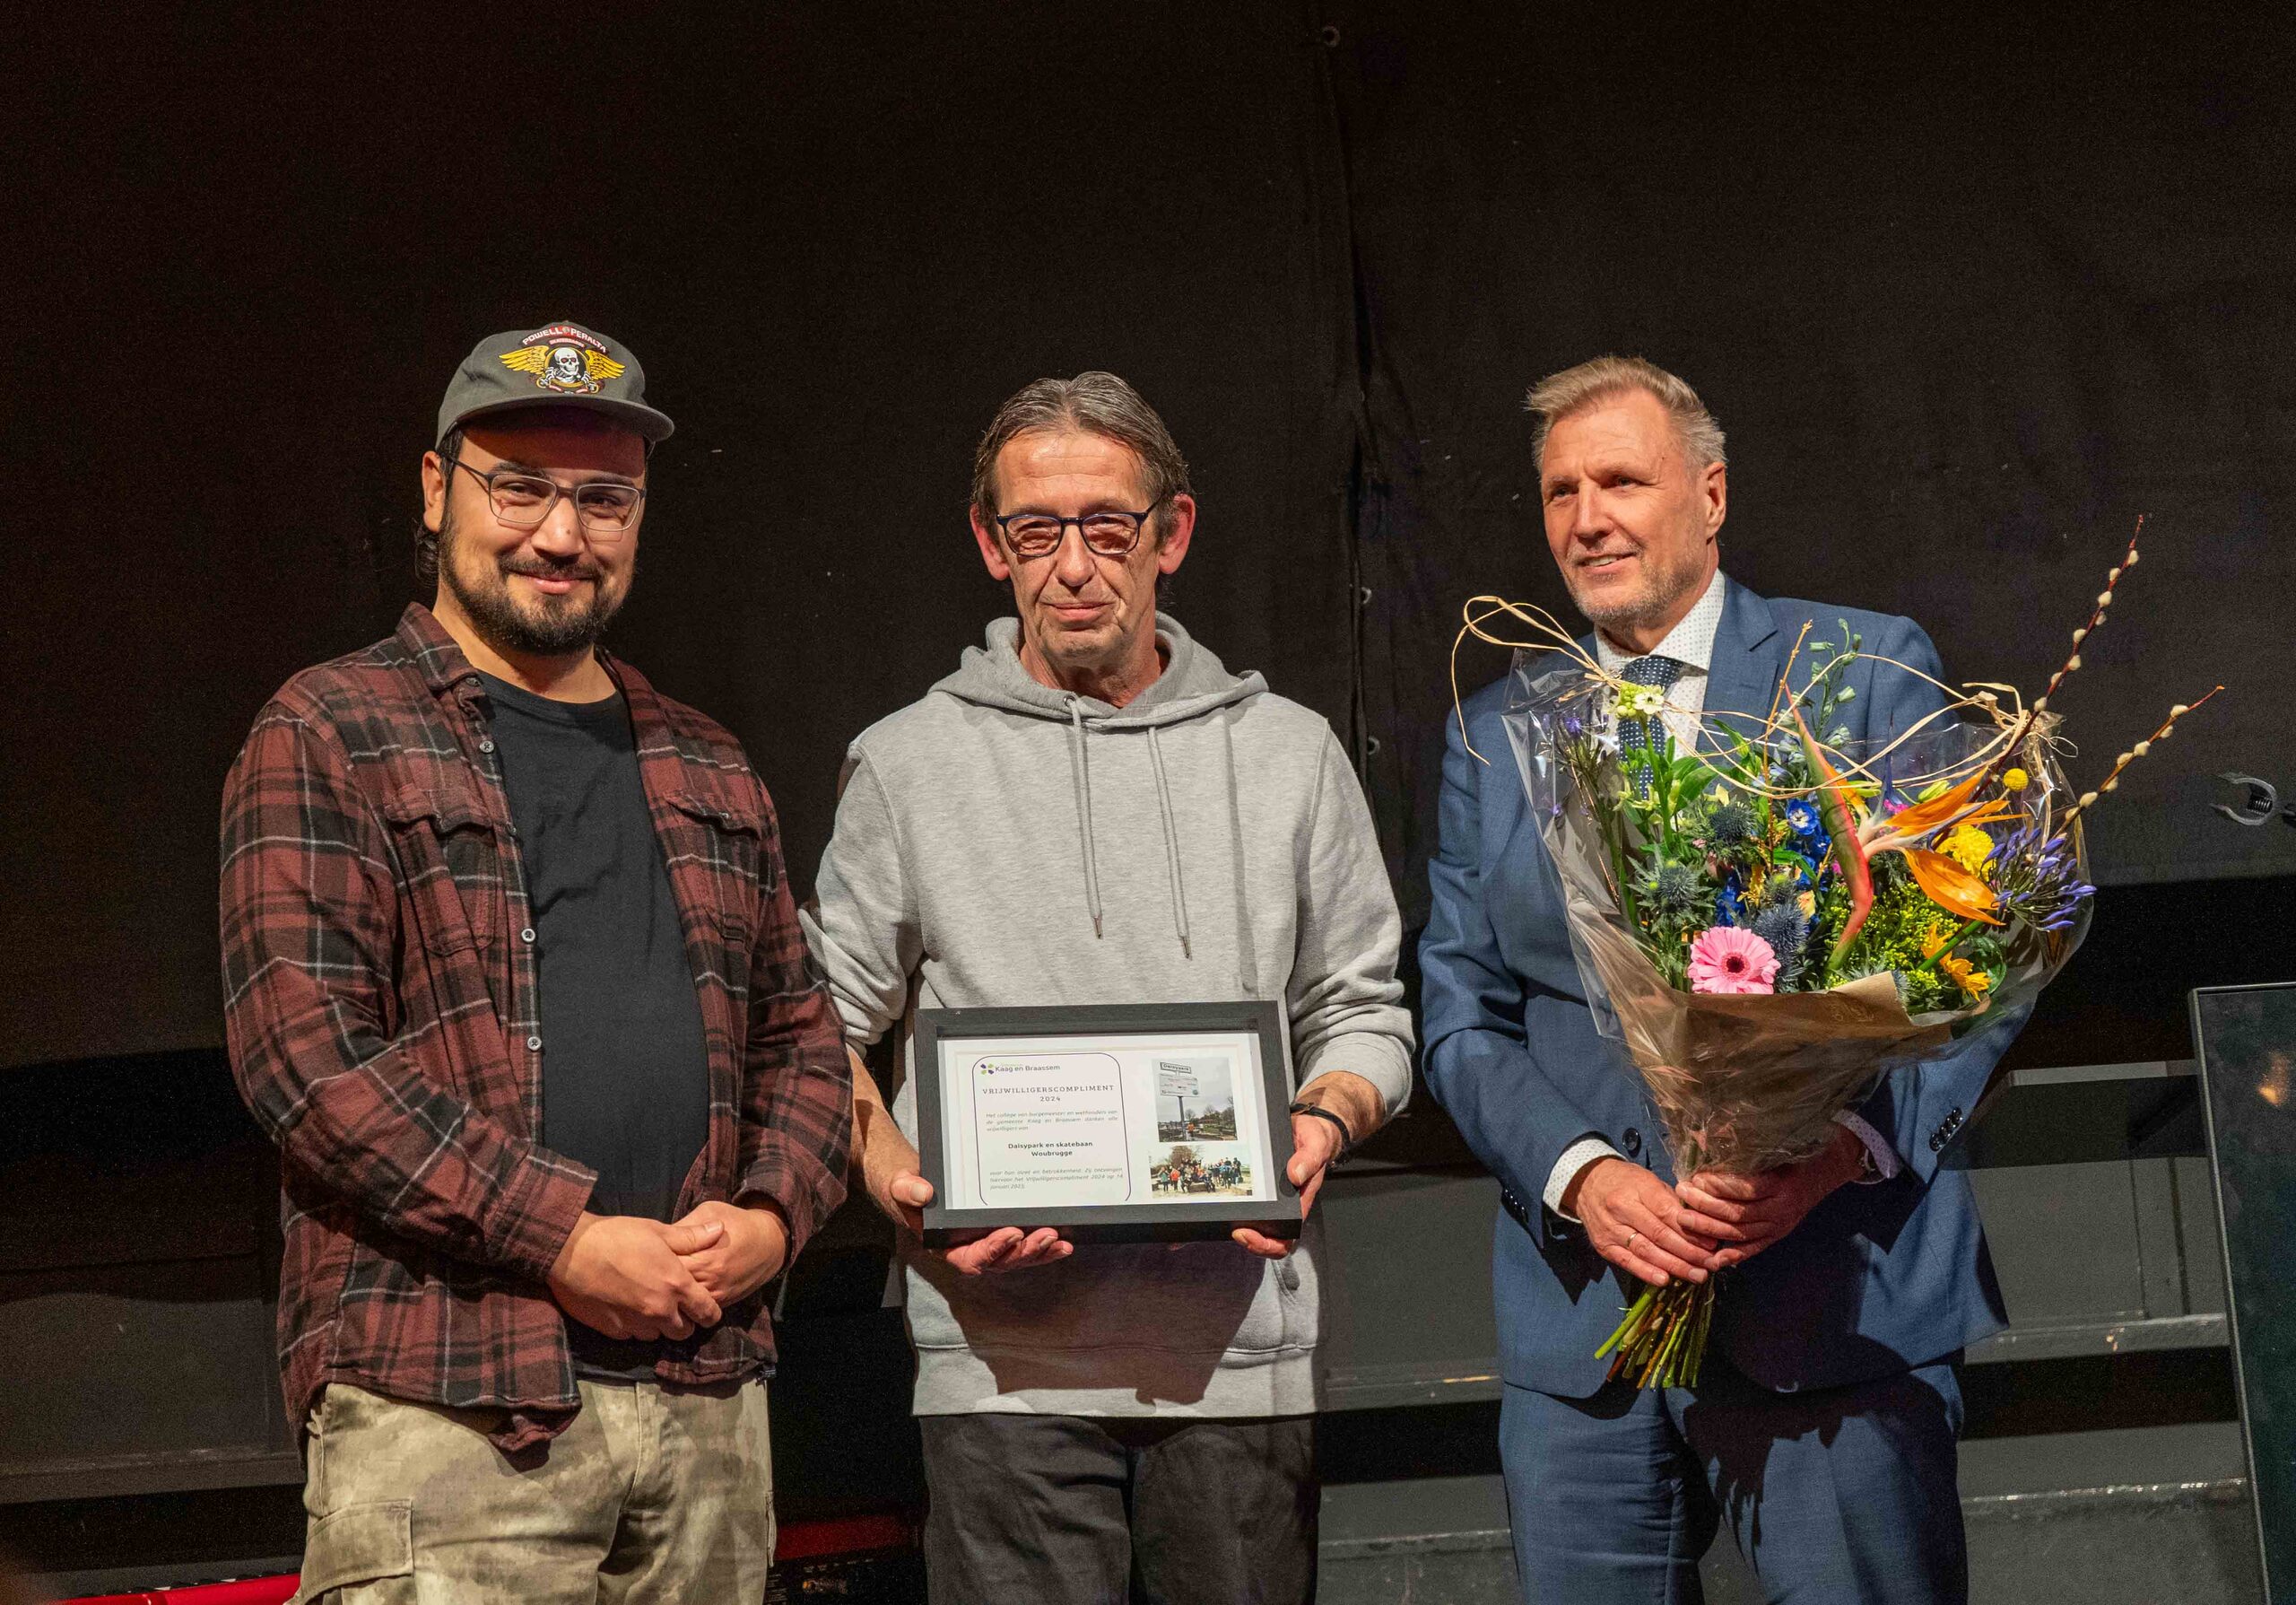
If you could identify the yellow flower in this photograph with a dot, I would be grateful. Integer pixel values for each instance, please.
(1933, 939)
(1967, 846)
(1971, 979)
(1806, 903)
(2015, 780)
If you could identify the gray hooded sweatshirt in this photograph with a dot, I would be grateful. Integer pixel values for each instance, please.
(1002, 843)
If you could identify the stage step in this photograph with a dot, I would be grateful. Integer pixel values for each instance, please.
(2054, 1519)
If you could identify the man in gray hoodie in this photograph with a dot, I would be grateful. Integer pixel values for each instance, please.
(1092, 809)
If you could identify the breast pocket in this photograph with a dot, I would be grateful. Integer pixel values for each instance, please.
(448, 861)
(714, 843)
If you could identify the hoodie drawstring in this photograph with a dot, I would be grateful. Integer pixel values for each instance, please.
(1171, 841)
(1080, 777)
(1247, 955)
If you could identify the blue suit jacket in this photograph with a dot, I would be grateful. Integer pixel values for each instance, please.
(1876, 1278)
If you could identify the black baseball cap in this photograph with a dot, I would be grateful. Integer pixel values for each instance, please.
(559, 364)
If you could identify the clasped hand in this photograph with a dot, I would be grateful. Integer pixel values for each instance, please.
(1706, 1222)
(631, 1277)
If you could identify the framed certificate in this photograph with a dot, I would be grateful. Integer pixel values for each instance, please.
(1116, 1123)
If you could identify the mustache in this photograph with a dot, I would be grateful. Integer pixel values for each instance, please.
(552, 570)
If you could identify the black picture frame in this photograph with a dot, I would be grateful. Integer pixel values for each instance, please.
(946, 1225)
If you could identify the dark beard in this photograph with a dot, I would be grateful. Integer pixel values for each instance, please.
(558, 626)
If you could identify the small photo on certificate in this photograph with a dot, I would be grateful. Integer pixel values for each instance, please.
(1195, 1100)
(1186, 1168)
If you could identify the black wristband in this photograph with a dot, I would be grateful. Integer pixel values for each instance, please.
(1346, 1137)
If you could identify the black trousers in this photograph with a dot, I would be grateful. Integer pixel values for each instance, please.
(1070, 1510)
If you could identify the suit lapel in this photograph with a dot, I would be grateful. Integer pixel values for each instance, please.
(1742, 676)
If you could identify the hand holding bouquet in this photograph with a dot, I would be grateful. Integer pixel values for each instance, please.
(1773, 921)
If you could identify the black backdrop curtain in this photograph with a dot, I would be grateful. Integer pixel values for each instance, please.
(1969, 293)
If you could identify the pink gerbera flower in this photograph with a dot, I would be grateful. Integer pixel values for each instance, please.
(1726, 959)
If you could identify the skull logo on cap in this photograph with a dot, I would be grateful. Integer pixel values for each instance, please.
(564, 359)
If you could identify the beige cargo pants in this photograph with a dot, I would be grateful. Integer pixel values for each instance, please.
(652, 1494)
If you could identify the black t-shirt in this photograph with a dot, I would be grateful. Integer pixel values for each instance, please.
(625, 1070)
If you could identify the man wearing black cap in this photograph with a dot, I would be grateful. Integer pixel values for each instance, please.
(514, 980)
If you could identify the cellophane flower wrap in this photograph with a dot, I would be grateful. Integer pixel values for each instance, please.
(1769, 924)
(1750, 1081)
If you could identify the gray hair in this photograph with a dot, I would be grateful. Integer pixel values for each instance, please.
(1094, 403)
(1559, 395)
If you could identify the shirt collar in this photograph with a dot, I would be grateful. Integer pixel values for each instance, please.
(1690, 642)
(435, 652)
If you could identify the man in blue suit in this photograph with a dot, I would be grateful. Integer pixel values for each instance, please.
(1825, 1425)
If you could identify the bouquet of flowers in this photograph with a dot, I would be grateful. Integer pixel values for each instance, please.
(1771, 923)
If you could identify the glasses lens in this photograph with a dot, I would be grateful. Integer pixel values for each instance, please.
(1034, 536)
(1111, 534)
(519, 499)
(607, 509)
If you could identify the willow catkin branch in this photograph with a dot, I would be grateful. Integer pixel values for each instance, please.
(2096, 618)
(2029, 718)
(2131, 757)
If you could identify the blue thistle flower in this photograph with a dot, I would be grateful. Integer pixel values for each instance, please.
(1783, 887)
(1731, 825)
(1786, 929)
(1675, 888)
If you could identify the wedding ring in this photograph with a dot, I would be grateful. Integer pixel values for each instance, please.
(1631, 1237)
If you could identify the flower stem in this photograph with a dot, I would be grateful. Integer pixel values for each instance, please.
(1661, 1338)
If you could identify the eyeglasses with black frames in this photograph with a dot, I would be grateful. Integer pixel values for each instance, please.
(1112, 533)
(608, 508)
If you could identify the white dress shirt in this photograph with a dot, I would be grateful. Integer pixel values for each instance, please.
(1691, 644)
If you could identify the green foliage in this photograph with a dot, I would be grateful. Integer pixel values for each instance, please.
(1821, 701)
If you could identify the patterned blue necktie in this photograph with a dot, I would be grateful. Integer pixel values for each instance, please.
(1638, 739)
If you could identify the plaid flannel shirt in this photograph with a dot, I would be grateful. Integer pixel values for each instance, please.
(380, 984)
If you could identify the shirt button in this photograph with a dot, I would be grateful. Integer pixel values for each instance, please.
(534, 1043)
(527, 935)
(487, 746)
(1633, 1140)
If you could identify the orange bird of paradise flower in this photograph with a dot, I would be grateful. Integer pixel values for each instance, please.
(1859, 836)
